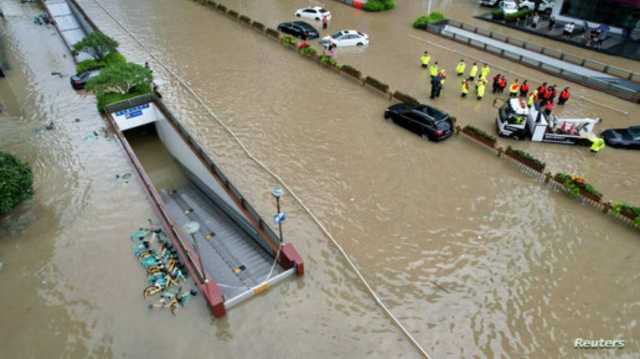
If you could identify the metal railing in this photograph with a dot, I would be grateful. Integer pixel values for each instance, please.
(591, 64)
(604, 86)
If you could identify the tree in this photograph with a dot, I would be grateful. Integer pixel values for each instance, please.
(16, 182)
(96, 44)
(121, 78)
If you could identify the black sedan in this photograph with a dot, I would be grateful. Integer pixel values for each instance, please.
(78, 81)
(424, 120)
(299, 29)
(623, 137)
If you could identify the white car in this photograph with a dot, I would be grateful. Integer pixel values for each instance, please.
(509, 7)
(346, 38)
(545, 5)
(316, 13)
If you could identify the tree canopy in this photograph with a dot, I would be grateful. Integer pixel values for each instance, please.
(121, 78)
(97, 45)
(16, 182)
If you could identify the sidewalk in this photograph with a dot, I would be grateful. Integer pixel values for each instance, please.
(614, 44)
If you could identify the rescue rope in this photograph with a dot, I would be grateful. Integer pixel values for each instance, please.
(584, 98)
(373, 294)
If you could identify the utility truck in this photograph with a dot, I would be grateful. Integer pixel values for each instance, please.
(518, 121)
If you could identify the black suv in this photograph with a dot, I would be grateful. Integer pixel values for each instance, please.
(299, 29)
(424, 120)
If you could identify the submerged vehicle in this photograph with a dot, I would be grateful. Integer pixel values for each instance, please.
(299, 29)
(623, 137)
(346, 38)
(79, 81)
(423, 120)
(518, 121)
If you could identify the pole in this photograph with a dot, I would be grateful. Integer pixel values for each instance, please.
(429, 6)
(279, 224)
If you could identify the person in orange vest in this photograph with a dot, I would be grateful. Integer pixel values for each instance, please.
(524, 88)
(514, 88)
(564, 96)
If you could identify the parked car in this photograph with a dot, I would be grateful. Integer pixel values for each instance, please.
(316, 13)
(509, 7)
(546, 6)
(346, 38)
(623, 137)
(78, 81)
(299, 29)
(424, 120)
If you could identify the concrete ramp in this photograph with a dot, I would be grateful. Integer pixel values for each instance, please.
(67, 24)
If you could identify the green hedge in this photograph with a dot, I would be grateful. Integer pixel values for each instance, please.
(628, 210)
(108, 98)
(423, 21)
(16, 182)
(517, 15)
(575, 184)
(92, 64)
(379, 5)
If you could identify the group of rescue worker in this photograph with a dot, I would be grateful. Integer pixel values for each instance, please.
(544, 97)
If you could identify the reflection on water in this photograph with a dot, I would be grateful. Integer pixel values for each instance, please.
(475, 258)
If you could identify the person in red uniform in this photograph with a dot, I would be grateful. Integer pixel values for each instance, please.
(502, 84)
(524, 89)
(542, 90)
(496, 85)
(551, 93)
(548, 107)
(564, 96)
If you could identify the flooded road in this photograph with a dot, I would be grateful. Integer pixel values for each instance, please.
(473, 257)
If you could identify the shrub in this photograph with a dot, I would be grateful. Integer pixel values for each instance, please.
(97, 45)
(91, 64)
(628, 210)
(16, 182)
(423, 21)
(479, 134)
(517, 15)
(379, 5)
(120, 81)
(308, 51)
(526, 157)
(576, 185)
(328, 60)
(288, 40)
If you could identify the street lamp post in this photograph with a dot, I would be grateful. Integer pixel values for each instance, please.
(428, 3)
(279, 217)
(192, 228)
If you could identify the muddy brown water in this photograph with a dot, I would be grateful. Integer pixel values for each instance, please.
(476, 259)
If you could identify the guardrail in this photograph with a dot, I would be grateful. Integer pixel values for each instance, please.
(591, 64)
(594, 83)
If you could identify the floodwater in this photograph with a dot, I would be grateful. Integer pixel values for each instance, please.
(475, 259)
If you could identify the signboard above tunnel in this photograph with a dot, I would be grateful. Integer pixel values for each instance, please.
(136, 116)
